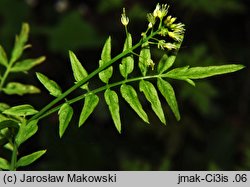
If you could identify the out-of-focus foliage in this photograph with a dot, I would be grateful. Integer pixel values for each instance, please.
(105, 6)
(11, 20)
(68, 34)
(216, 7)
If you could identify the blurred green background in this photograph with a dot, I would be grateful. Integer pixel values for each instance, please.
(214, 131)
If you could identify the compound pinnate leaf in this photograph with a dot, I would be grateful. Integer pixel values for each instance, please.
(168, 92)
(3, 57)
(105, 58)
(21, 110)
(26, 131)
(27, 64)
(130, 95)
(4, 164)
(127, 65)
(90, 103)
(202, 72)
(112, 101)
(20, 89)
(165, 63)
(29, 159)
(65, 114)
(145, 59)
(78, 70)
(151, 95)
(50, 85)
(20, 42)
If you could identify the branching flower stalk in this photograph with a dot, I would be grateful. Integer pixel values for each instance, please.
(19, 123)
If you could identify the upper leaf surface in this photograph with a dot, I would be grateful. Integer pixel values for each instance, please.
(145, 58)
(78, 70)
(21, 110)
(3, 117)
(202, 72)
(130, 95)
(4, 164)
(27, 64)
(90, 103)
(20, 42)
(20, 89)
(127, 65)
(50, 85)
(165, 63)
(105, 58)
(168, 92)
(3, 57)
(3, 106)
(112, 101)
(26, 131)
(29, 159)
(151, 95)
(65, 114)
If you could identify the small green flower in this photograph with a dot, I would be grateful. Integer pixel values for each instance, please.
(175, 36)
(160, 11)
(169, 21)
(178, 28)
(150, 25)
(151, 19)
(151, 63)
(170, 46)
(163, 32)
(161, 44)
(124, 18)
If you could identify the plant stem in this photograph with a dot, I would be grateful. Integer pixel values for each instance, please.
(80, 83)
(100, 89)
(14, 157)
(5, 75)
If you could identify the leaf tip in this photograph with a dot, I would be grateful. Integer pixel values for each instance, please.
(241, 66)
(119, 130)
(42, 58)
(178, 118)
(71, 53)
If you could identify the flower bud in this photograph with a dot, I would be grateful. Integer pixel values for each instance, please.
(124, 18)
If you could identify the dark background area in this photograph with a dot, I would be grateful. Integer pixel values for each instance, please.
(214, 131)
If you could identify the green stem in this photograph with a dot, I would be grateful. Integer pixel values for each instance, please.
(5, 75)
(100, 89)
(14, 157)
(80, 83)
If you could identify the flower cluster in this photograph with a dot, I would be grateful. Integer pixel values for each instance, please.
(167, 28)
(163, 45)
(163, 26)
(177, 30)
(160, 11)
